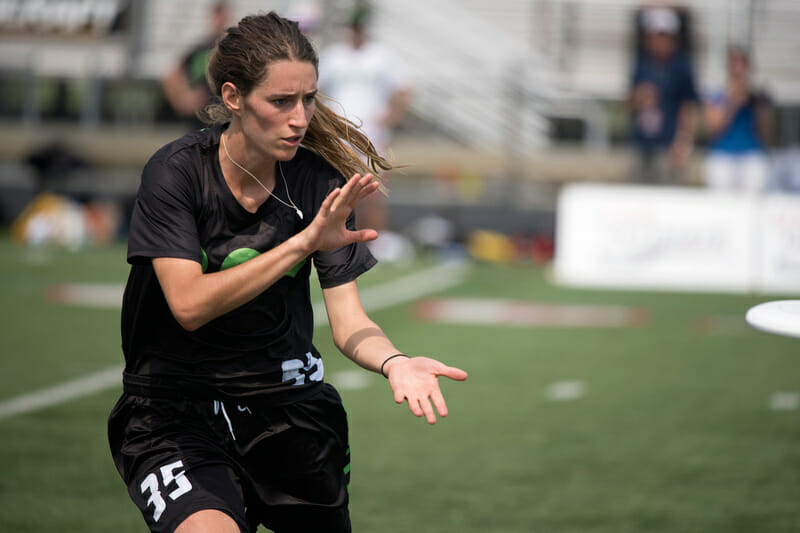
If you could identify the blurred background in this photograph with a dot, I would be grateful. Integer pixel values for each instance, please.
(506, 103)
(594, 193)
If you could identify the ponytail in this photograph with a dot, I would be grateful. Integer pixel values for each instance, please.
(342, 144)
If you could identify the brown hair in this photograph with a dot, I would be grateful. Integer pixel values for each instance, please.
(243, 57)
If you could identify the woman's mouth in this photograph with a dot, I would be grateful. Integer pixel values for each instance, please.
(292, 141)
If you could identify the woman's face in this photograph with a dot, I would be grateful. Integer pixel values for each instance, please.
(276, 113)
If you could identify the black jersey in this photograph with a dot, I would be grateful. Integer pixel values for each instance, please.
(184, 209)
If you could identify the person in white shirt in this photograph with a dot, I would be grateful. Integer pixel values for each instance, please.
(367, 80)
(370, 86)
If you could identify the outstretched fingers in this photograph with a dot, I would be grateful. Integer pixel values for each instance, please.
(428, 405)
(438, 402)
(327, 204)
(356, 189)
(417, 381)
(364, 235)
(452, 372)
(342, 200)
(428, 412)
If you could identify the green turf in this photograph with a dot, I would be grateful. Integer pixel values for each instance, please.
(674, 433)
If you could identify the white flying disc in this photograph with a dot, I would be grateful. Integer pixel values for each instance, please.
(781, 317)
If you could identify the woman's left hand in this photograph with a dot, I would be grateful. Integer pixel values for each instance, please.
(416, 379)
(327, 231)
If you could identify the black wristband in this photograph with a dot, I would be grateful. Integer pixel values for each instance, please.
(389, 359)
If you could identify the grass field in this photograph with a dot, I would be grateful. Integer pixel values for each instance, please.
(670, 426)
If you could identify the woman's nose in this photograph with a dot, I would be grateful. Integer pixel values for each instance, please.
(298, 118)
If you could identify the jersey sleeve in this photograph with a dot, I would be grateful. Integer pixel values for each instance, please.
(163, 222)
(343, 265)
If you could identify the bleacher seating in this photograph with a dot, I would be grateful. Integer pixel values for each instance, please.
(490, 74)
(566, 54)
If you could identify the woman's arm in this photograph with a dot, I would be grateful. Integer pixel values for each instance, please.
(183, 98)
(718, 114)
(717, 117)
(644, 95)
(359, 338)
(196, 298)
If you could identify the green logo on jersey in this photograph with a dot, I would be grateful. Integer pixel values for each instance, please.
(293, 272)
(237, 257)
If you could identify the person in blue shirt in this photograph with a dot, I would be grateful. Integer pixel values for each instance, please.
(738, 120)
(663, 99)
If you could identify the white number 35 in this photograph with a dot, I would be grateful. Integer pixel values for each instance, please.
(169, 477)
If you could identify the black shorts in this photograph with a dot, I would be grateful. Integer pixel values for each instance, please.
(286, 467)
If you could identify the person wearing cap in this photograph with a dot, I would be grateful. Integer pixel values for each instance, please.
(372, 87)
(663, 99)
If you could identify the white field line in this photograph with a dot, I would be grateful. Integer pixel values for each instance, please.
(394, 292)
(511, 313)
(99, 295)
(405, 289)
(784, 401)
(70, 390)
(563, 391)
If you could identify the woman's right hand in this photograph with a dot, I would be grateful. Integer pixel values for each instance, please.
(328, 230)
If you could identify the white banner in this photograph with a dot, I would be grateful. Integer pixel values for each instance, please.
(777, 249)
(677, 238)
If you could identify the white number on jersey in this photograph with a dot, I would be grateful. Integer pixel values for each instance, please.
(297, 370)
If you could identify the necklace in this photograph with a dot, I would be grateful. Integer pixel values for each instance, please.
(292, 206)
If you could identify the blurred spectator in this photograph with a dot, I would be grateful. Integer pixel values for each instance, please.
(374, 90)
(663, 99)
(185, 86)
(308, 14)
(739, 123)
(367, 80)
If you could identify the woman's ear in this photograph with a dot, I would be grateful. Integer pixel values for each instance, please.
(231, 97)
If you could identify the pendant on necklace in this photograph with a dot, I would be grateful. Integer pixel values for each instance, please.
(299, 213)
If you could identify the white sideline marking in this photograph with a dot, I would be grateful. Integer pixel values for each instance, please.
(784, 401)
(70, 390)
(351, 379)
(405, 289)
(512, 313)
(401, 290)
(563, 391)
(98, 295)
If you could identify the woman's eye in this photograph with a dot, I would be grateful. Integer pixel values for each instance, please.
(308, 100)
(279, 102)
